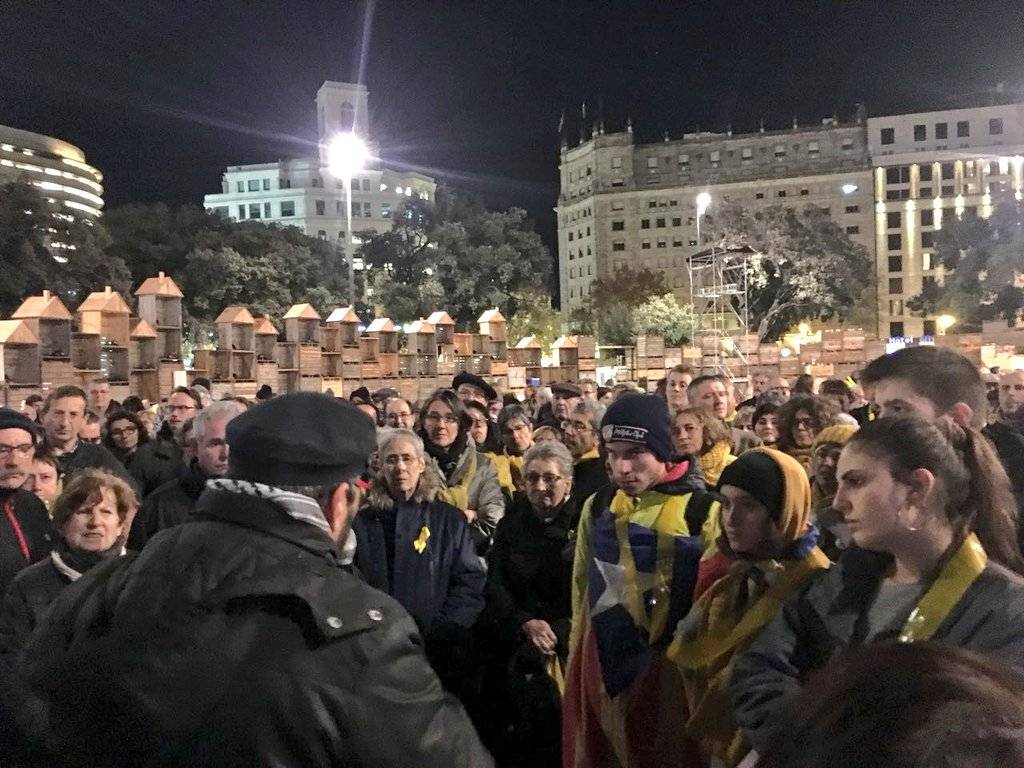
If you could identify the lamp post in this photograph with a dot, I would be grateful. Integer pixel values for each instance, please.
(346, 156)
(943, 323)
(703, 203)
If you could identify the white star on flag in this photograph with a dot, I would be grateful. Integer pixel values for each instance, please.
(615, 585)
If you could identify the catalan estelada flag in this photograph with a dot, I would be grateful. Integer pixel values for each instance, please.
(624, 702)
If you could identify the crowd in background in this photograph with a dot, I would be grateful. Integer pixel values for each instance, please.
(709, 575)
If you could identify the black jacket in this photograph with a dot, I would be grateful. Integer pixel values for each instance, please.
(529, 574)
(157, 462)
(93, 456)
(237, 639)
(25, 533)
(588, 477)
(167, 506)
(1009, 444)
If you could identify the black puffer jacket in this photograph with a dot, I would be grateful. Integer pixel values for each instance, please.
(25, 536)
(157, 462)
(238, 638)
(167, 506)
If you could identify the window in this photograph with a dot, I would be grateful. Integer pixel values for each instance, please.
(287, 207)
(253, 185)
(588, 231)
(926, 261)
(942, 130)
(927, 218)
(896, 330)
(948, 171)
(892, 175)
(645, 245)
(590, 171)
(673, 203)
(888, 135)
(813, 148)
(895, 242)
(804, 192)
(929, 281)
(677, 243)
(854, 230)
(617, 205)
(781, 193)
(747, 153)
(684, 159)
(241, 210)
(963, 128)
(266, 211)
(366, 185)
(759, 196)
(266, 185)
(924, 172)
(617, 226)
(927, 239)
(317, 182)
(652, 163)
(367, 210)
(677, 221)
(892, 220)
(896, 285)
(852, 209)
(616, 163)
(928, 328)
(320, 206)
(652, 203)
(995, 126)
(618, 246)
(847, 145)
(254, 210)
(895, 306)
(589, 270)
(571, 236)
(321, 234)
(920, 133)
(926, 191)
(662, 243)
(659, 223)
(780, 151)
(339, 207)
(645, 223)
(284, 183)
(947, 190)
(895, 263)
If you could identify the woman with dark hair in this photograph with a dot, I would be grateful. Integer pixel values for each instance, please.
(123, 433)
(800, 420)
(695, 433)
(481, 428)
(954, 708)
(516, 432)
(771, 550)
(133, 404)
(765, 422)
(468, 478)
(91, 517)
(932, 518)
(804, 384)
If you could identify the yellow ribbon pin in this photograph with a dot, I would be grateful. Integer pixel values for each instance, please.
(421, 542)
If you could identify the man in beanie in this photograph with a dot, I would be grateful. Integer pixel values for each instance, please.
(637, 550)
(240, 637)
(828, 444)
(24, 523)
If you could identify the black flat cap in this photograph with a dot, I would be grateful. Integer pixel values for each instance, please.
(303, 438)
(465, 377)
(359, 395)
(566, 389)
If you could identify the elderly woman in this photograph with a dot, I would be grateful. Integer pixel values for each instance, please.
(517, 438)
(418, 548)
(467, 477)
(91, 517)
(123, 433)
(529, 603)
(695, 433)
(800, 420)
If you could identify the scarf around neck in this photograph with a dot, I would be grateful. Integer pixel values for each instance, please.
(447, 458)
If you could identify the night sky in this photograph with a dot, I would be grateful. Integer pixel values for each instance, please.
(162, 96)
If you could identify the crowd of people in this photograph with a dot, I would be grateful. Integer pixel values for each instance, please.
(828, 573)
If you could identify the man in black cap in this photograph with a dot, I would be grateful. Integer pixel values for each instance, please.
(468, 386)
(240, 637)
(24, 523)
(565, 396)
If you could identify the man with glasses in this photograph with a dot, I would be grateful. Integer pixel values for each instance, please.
(581, 436)
(101, 401)
(64, 416)
(92, 429)
(24, 523)
(160, 460)
(398, 413)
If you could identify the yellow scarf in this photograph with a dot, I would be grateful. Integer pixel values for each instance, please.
(593, 453)
(510, 471)
(945, 592)
(458, 495)
(714, 460)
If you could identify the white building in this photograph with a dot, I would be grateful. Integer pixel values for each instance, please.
(303, 193)
(57, 169)
(928, 166)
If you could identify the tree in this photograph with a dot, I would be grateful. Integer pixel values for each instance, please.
(608, 310)
(664, 316)
(805, 266)
(534, 316)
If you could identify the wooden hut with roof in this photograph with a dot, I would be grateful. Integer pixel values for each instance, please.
(19, 355)
(160, 302)
(380, 343)
(50, 321)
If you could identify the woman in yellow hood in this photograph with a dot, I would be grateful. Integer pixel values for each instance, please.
(766, 533)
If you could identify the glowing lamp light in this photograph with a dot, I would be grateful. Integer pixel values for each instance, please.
(703, 203)
(943, 323)
(849, 189)
(346, 155)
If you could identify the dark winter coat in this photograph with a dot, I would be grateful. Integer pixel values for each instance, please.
(25, 533)
(167, 506)
(441, 587)
(157, 462)
(238, 639)
(93, 456)
(588, 477)
(1009, 444)
(828, 614)
(529, 574)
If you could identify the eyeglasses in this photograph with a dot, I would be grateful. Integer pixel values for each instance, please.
(533, 478)
(22, 450)
(479, 422)
(93, 440)
(397, 418)
(447, 418)
(124, 432)
(576, 426)
(803, 423)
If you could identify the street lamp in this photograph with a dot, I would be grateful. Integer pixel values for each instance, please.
(943, 323)
(346, 156)
(703, 203)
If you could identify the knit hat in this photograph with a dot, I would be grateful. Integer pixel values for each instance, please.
(641, 419)
(757, 473)
(12, 419)
(303, 438)
(839, 434)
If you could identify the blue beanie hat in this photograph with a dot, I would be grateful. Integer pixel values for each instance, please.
(641, 419)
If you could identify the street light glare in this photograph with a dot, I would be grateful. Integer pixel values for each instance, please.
(346, 155)
(703, 203)
(849, 189)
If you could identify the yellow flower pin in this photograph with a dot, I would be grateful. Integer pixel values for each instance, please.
(421, 542)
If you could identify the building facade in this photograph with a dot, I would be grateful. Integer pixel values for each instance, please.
(303, 193)
(927, 167)
(631, 204)
(57, 169)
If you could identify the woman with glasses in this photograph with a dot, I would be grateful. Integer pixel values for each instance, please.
(468, 478)
(91, 518)
(418, 548)
(516, 432)
(529, 606)
(123, 434)
(800, 420)
(694, 433)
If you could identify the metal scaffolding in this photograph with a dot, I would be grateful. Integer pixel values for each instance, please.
(718, 294)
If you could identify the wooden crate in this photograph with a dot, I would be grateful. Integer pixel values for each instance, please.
(310, 383)
(587, 346)
(768, 354)
(650, 346)
(309, 360)
(351, 354)
(587, 364)
(335, 385)
(266, 373)
(853, 339)
(499, 367)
